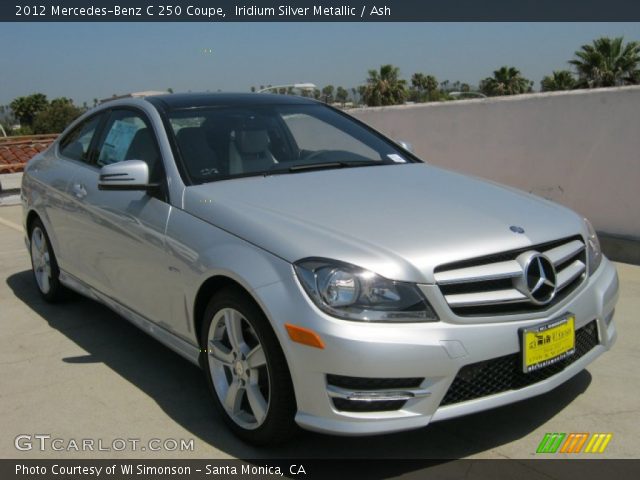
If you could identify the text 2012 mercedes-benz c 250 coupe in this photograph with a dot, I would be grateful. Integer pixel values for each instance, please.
(321, 274)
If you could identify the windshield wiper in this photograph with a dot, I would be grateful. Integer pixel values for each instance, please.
(329, 165)
(308, 167)
(317, 166)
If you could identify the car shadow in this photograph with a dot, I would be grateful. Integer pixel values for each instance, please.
(178, 387)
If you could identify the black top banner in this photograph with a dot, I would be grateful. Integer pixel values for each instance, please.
(319, 11)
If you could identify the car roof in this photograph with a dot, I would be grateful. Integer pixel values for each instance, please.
(180, 101)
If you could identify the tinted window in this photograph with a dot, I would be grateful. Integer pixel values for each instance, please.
(313, 134)
(128, 136)
(224, 142)
(76, 144)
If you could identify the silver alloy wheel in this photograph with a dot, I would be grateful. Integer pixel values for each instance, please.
(41, 260)
(238, 368)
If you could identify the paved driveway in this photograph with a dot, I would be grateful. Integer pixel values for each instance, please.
(78, 371)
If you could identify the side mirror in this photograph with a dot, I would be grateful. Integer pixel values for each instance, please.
(406, 145)
(126, 175)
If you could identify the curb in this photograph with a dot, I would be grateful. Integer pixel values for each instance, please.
(10, 182)
(10, 189)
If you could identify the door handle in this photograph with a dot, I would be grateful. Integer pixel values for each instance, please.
(79, 190)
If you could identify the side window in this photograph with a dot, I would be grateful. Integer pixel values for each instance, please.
(76, 144)
(128, 136)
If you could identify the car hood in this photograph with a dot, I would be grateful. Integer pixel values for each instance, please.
(400, 221)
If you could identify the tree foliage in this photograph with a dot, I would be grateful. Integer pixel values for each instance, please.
(558, 80)
(56, 116)
(423, 87)
(26, 108)
(385, 87)
(342, 95)
(505, 81)
(327, 94)
(607, 62)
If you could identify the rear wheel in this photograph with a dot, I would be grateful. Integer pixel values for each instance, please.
(44, 264)
(246, 370)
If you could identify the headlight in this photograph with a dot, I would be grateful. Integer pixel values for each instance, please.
(594, 254)
(352, 293)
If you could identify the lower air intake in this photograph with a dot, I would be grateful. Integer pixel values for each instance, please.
(505, 373)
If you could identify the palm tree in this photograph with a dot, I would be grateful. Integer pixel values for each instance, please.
(342, 95)
(423, 87)
(505, 81)
(608, 63)
(26, 108)
(558, 80)
(418, 80)
(431, 84)
(384, 87)
(327, 93)
(418, 87)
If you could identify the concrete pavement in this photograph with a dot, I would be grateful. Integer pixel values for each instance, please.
(78, 371)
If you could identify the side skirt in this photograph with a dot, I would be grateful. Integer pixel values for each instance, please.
(177, 344)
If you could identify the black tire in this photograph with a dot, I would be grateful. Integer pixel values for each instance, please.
(278, 425)
(56, 291)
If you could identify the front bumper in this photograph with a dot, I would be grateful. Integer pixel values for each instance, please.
(432, 352)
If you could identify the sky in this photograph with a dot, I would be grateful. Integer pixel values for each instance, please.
(84, 61)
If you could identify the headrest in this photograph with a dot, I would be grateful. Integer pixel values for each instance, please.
(252, 141)
(142, 146)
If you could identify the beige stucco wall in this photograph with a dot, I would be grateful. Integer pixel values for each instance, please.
(579, 148)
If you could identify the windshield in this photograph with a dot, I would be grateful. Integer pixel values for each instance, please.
(227, 142)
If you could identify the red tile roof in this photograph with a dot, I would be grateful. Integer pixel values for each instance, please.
(15, 152)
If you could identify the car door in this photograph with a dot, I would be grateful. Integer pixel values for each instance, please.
(120, 235)
(61, 164)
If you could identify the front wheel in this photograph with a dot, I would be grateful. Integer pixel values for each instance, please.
(246, 370)
(44, 264)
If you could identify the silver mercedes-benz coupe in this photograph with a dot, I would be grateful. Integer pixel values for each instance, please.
(320, 274)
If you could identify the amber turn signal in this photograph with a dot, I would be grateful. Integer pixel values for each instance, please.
(304, 336)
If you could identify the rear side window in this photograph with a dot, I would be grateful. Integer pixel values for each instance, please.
(76, 144)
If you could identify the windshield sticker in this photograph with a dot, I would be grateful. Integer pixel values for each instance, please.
(396, 158)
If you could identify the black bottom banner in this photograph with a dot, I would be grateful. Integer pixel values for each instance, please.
(543, 469)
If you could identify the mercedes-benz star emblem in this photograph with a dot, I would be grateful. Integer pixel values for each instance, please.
(538, 281)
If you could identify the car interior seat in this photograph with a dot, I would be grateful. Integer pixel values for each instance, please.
(200, 159)
(143, 147)
(249, 151)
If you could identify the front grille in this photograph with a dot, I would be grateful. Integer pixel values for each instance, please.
(505, 373)
(368, 384)
(486, 286)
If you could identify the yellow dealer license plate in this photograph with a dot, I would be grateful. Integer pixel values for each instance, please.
(546, 344)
